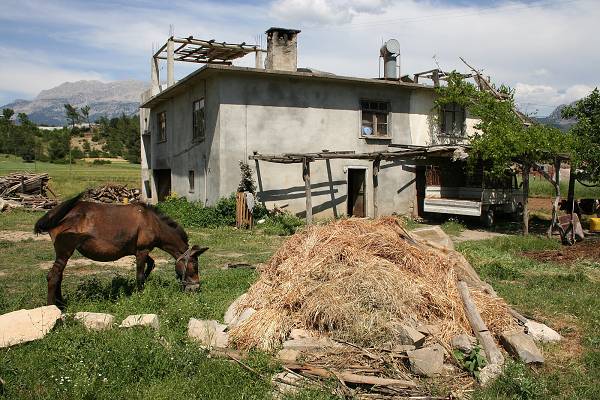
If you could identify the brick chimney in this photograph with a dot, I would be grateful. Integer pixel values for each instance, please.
(282, 49)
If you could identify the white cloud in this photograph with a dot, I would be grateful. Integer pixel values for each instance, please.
(314, 12)
(544, 97)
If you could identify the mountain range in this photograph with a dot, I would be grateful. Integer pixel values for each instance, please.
(555, 119)
(110, 99)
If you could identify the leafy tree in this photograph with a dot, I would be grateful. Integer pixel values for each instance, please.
(72, 114)
(502, 138)
(59, 145)
(7, 114)
(85, 113)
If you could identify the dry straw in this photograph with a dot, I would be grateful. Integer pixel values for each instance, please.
(358, 280)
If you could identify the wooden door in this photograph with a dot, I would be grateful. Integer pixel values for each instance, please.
(356, 192)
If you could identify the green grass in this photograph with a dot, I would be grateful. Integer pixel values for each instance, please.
(561, 296)
(68, 180)
(540, 187)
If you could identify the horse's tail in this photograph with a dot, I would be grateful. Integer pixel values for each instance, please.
(53, 217)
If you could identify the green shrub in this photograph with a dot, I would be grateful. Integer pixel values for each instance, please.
(101, 162)
(282, 225)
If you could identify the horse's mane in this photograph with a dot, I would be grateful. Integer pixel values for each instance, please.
(168, 221)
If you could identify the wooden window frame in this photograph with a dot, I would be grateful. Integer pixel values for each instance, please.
(453, 111)
(198, 127)
(375, 108)
(160, 129)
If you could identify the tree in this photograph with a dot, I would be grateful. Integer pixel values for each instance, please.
(85, 112)
(7, 113)
(72, 115)
(586, 141)
(502, 138)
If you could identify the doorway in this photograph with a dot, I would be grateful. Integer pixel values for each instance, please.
(356, 192)
(162, 177)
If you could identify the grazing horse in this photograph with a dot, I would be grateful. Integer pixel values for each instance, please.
(107, 232)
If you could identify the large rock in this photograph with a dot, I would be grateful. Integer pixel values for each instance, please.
(232, 311)
(287, 382)
(463, 342)
(410, 336)
(429, 329)
(428, 361)
(95, 321)
(149, 320)
(26, 325)
(541, 332)
(489, 373)
(288, 355)
(309, 343)
(521, 345)
(237, 321)
(434, 234)
(208, 333)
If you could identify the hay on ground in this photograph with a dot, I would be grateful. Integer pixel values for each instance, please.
(359, 280)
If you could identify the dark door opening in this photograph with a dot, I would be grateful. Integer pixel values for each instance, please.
(420, 186)
(162, 177)
(356, 192)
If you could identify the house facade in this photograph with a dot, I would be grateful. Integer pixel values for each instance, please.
(195, 133)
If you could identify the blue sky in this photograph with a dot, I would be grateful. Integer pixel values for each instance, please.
(545, 49)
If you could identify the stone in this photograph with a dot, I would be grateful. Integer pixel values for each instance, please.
(463, 342)
(26, 325)
(208, 333)
(428, 361)
(247, 313)
(522, 345)
(232, 311)
(541, 332)
(310, 343)
(434, 234)
(489, 373)
(429, 329)
(149, 320)
(95, 321)
(411, 336)
(288, 355)
(397, 348)
(286, 382)
(300, 334)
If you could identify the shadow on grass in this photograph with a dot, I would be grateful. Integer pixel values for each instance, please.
(94, 289)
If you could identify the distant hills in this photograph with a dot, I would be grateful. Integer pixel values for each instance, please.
(555, 119)
(109, 99)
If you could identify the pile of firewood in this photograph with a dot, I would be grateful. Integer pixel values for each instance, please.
(113, 194)
(26, 190)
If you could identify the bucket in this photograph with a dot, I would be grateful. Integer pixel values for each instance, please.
(594, 224)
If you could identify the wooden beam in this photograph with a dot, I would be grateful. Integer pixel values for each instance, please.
(376, 164)
(306, 178)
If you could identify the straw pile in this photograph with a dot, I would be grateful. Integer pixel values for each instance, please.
(358, 280)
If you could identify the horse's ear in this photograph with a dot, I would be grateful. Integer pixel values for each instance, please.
(197, 250)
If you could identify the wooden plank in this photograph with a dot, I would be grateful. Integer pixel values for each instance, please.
(349, 377)
(306, 178)
(376, 165)
(492, 352)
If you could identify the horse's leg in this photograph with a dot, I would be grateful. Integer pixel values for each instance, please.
(149, 266)
(64, 248)
(140, 259)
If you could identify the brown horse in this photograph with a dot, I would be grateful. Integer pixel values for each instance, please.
(107, 232)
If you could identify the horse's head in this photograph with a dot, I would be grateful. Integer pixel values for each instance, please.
(187, 268)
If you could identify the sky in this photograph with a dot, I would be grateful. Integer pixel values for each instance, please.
(547, 50)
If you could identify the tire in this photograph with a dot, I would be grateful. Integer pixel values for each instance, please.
(488, 218)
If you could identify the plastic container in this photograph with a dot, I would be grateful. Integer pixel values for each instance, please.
(594, 224)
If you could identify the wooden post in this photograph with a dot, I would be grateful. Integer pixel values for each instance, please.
(376, 164)
(306, 177)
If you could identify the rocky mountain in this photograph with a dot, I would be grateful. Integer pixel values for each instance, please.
(555, 119)
(109, 99)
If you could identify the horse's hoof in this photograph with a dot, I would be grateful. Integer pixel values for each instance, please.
(191, 287)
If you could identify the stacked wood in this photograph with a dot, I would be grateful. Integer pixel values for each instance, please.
(26, 190)
(111, 193)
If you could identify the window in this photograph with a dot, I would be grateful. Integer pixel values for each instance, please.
(453, 120)
(161, 120)
(374, 119)
(191, 181)
(198, 121)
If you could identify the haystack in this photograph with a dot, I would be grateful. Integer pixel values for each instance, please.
(359, 280)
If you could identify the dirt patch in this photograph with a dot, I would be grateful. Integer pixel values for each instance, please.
(127, 263)
(589, 249)
(470, 234)
(20, 236)
(540, 203)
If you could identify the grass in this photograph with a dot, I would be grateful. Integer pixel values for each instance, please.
(68, 180)
(540, 187)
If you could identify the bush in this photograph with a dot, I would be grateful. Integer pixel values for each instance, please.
(282, 225)
(101, 162)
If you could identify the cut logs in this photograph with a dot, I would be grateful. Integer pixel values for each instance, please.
(26, 190)
(113, 194)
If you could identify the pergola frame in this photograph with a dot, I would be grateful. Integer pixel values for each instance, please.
(411, 153)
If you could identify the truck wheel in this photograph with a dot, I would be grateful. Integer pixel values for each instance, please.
(488, 218)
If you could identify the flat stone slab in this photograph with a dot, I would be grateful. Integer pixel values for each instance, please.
(541, 332)
(463, 342)
(26, 325)
(428, 361)
(410, 336)
(232, 311)
(237, 321)
(95, 321)
(288, 355)
(149, 320)
(522, 345)
(208, 333)
(309, 343)
(489, 373)
(434, 234)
